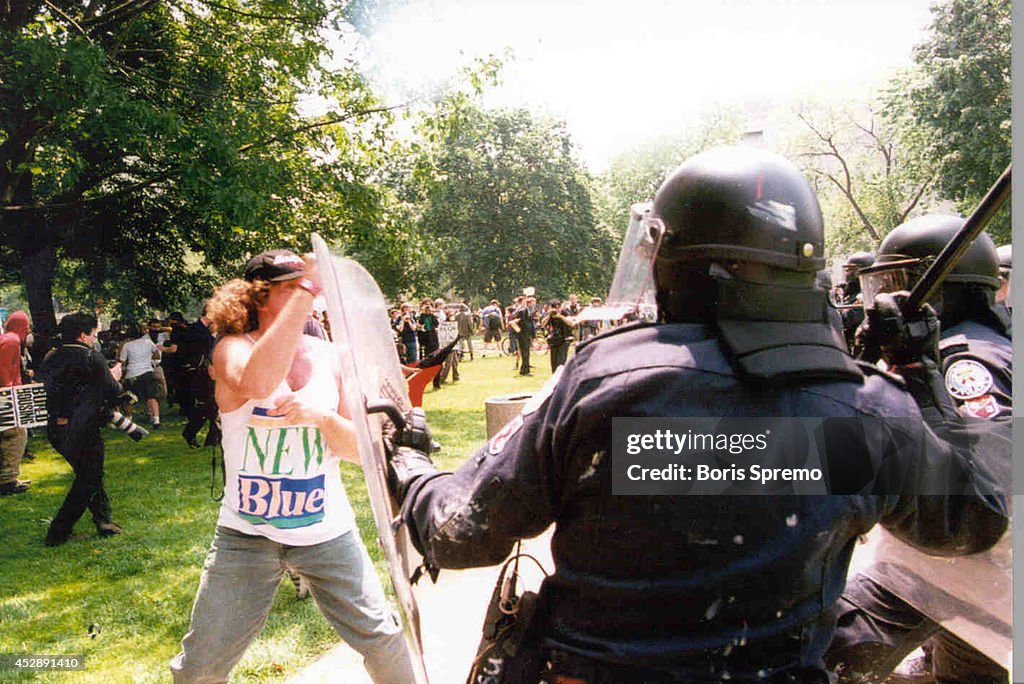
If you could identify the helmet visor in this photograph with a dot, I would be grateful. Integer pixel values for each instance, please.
(893, 276)
(632, 290)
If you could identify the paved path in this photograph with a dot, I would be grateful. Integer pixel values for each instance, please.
(452, 613)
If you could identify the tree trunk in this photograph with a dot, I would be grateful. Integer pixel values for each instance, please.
(37, 268)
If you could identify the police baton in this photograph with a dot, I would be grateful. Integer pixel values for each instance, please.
(951, 253)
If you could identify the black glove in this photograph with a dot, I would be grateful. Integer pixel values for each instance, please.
(902, 340)
(415, 434)
(864, 347)
(409, 453)
(405, 466)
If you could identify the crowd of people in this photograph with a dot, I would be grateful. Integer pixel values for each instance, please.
(95, 379)
(521, 327)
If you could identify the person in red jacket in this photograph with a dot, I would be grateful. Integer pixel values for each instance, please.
(12, 440)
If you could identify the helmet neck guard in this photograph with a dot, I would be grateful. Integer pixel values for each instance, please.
(777, 335)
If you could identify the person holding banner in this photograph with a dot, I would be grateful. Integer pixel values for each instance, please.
(285, 432)
(14, 439)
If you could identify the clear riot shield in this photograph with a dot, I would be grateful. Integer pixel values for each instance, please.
(632, 289)
(371, 371)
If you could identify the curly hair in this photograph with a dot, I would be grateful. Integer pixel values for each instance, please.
(232, 308)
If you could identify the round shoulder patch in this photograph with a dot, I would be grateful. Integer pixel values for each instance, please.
(967, 379)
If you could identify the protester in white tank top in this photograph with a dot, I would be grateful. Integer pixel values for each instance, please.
(284, 506)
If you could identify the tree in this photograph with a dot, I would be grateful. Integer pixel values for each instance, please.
(503, 203)
(954, 106)
(852, 154)
(133, 134)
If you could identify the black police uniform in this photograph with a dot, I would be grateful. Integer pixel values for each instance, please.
(681, 588)
(524, 338)
(79, 392)
(877, 628)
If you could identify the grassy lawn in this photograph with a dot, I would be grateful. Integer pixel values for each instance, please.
(123, 602)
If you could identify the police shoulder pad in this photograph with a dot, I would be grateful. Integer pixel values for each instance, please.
(628, 327)
(955, 344)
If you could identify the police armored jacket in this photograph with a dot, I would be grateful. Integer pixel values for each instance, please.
(978, 369)
(970, 596)
(78, 386)
(693, 586)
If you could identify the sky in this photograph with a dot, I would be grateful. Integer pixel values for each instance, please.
(621, 73)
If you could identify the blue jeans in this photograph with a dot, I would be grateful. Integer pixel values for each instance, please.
(238, 585)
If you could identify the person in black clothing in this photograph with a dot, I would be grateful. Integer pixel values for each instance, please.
(195, 349)
(521, 323)
(170, 361)
(426, 324)
(848, 296)
(79, 390)
(692, 588)
(111, 340)
(877, 627)
(405, 326)
(558, 331)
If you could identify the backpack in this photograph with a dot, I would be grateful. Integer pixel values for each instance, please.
(493, 321)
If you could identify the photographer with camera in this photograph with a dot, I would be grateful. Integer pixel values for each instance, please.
(559, 333)
(405, 325)
(80, 390)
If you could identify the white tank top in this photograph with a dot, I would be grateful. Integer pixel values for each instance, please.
(281, 480)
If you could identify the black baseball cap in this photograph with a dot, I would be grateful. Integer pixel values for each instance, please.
(275, 265)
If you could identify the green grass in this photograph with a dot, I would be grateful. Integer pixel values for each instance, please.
(138, 587)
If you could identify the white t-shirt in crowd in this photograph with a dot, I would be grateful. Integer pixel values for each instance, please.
(137, 356)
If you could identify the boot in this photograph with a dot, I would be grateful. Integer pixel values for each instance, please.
(14, 487)
(108, 529)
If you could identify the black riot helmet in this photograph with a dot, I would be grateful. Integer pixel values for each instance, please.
(855, 262)
(733, 213)
(741, 244)
(741, 204)
(907, 251)
(926, 236)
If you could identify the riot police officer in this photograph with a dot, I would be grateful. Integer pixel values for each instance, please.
(878, 625)
(847, 294)
(848, 290)
(691, 588)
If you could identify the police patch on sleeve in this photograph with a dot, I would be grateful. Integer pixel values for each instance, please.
(967, 379)
(983, 407)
